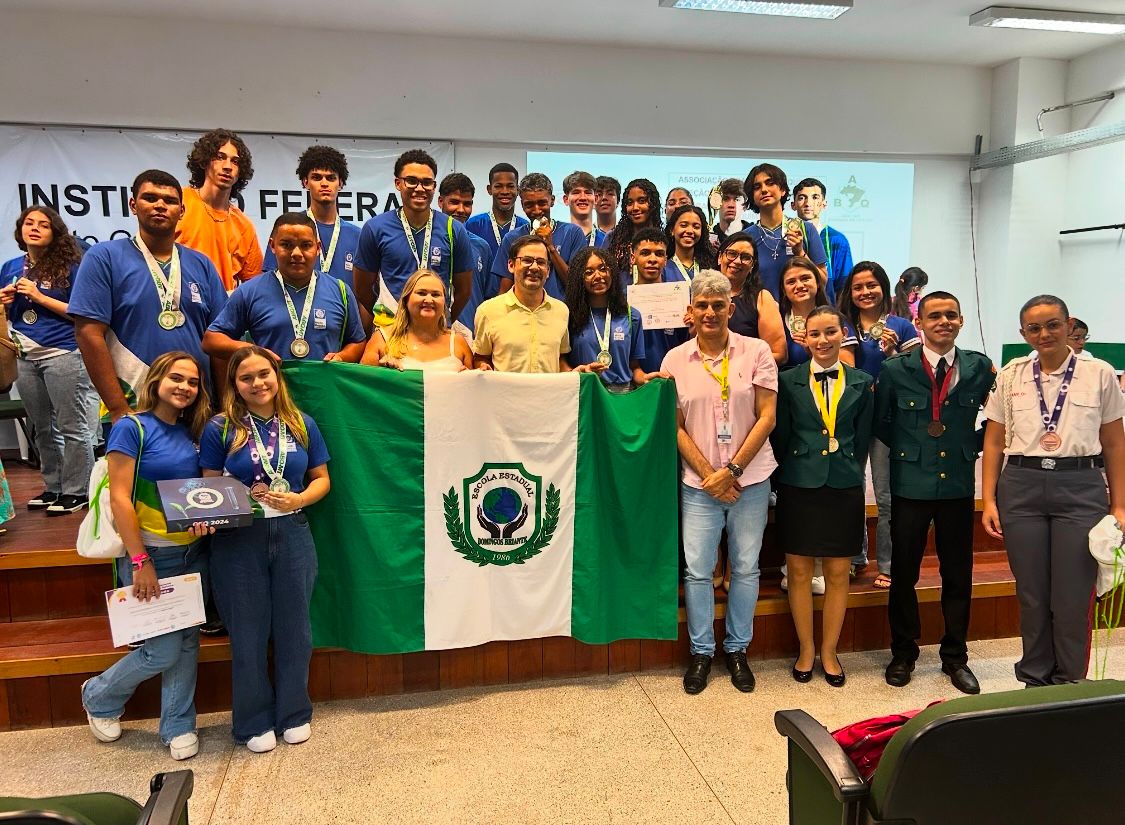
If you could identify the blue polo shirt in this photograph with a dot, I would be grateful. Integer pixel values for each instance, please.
(481, 226)
(626, 344)
(869, 355)
(658, 343)
(568, 240)
(839, 253)
(113, 286)
(258, 307)
(342, 261)
(483, 285)
(51, 334)
(770, 268)
(244, 465)
(383, 249)
(672, 272)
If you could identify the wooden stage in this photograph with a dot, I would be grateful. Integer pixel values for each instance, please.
(54, 634)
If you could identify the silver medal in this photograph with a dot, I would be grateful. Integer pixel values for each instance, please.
(29, 316)
(279, 485)
(299, 348)
(167, 320)
(605, 359)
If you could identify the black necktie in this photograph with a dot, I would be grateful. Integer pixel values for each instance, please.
(822, 377)
(942, 369)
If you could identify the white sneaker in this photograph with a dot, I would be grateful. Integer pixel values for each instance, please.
(104, 729)
(785, 584)
(262, 743)
(184, 746)
(818, 585)
(297, 735)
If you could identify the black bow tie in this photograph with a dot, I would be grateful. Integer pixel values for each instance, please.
(824, 375)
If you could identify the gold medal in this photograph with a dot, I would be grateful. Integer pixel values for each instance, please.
(299, 348)
(797, 325)
(167, 320)
(877, 329)
(605, 359)
(833, 445)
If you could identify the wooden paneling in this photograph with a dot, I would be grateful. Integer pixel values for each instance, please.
(590, 659)
(421, 671)
(525, 660)
(625, 656)
(462, 668)
(348, 673)
(558, 657)
(27, 595)
(29, 703)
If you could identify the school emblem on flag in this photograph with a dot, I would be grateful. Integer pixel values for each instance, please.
(503, 515)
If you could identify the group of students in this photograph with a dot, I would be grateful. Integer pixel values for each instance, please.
(793, 364)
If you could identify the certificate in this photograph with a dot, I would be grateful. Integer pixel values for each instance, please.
(180, 605)
(661, 305)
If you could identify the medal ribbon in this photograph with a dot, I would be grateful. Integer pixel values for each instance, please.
(603, 340)
(938, 394)
(496, 227)
(1051, 419)
(687, 272)
(828, 410)
(425, 256)
(326, 257)
(592, 236)
(299, 324)
(167, 289)
(277, 440)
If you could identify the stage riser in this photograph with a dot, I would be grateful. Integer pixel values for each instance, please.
(46, 701)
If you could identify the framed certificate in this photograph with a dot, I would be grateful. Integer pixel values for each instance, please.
(661, 305)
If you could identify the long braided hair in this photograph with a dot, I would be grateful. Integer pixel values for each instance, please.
(621, 241)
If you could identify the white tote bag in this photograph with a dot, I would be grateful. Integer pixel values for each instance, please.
(97, 535)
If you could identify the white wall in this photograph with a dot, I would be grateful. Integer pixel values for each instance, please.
(1093, 264)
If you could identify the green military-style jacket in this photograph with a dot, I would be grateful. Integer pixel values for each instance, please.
(800, 437)
(922, 466)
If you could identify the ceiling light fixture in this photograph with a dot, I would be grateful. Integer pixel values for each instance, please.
(819, 9)
(1083, 22)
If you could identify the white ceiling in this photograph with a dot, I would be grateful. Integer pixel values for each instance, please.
(930, 31)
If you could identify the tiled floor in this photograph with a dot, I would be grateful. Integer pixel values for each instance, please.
(628, 749)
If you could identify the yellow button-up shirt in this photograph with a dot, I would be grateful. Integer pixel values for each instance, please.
(521, 339)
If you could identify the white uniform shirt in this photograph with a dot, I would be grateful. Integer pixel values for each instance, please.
(1093, 400)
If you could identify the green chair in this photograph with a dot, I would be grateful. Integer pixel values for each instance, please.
(167, 805)
(1047, 755)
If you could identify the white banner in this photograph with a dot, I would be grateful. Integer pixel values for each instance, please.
(85, 174)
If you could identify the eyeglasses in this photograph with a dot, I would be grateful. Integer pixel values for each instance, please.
(1077, 336)
(416, 183)
(597, 270)
(528, 261)
(742, 257)
(1051, 327)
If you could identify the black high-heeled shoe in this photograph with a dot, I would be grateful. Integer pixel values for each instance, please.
(835, 679)
(802, 676)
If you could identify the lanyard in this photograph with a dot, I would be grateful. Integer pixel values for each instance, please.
(828, 410)
(827, 250)
(938, 394)
(326, 257)
(167, 289)
(299, 324)
(723, 378)
(592, 236)
(1051, 419)
(496, 227)
(688, 272)
(603, 340)
(277, 440)
(425, 256)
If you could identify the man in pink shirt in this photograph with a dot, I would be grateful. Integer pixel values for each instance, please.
(726, 385)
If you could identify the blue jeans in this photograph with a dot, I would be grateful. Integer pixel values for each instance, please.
(702, 519)
(262, 578)
(56, 393)
(174, 655)
(880, 458)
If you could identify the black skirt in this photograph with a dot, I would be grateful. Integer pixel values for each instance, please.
(824, 522)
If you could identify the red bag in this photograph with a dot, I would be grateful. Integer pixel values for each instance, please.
(865, 741)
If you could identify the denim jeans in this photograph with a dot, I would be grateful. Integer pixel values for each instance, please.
(56, 393)
(174, 655)
(262, 578)
(880, 458)
(702, 520)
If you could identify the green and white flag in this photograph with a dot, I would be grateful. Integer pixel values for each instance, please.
(481, 506)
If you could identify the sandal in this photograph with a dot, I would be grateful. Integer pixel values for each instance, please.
(882, 582)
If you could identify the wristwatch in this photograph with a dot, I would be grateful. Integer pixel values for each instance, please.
(734, 469)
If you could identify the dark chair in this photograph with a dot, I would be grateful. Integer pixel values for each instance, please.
(1046, 755)
(167, 805)
(12, 409)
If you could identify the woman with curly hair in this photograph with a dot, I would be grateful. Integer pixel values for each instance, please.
(605, 332)
(640, 208)
(689, 248)
(52, 379)
(220, 167)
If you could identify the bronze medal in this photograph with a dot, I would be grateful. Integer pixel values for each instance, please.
(1050, 442)
(935, 429)
(259, 490)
